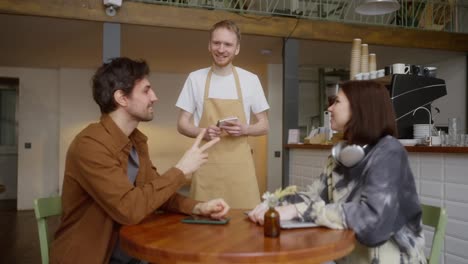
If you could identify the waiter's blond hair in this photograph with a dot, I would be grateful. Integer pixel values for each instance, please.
(229, 25)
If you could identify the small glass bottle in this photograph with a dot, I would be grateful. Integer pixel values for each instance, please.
(271, 226)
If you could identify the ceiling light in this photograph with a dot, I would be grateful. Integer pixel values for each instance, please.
(377, 7)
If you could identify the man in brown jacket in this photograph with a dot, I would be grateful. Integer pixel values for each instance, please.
(109, 178)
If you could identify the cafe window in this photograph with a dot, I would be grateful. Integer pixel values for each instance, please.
(8, 106)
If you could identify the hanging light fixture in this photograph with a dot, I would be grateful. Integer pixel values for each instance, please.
(377, 7)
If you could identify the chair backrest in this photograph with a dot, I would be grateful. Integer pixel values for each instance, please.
(435, 217)
(43, 208)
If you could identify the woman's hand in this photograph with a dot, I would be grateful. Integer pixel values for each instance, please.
(258, 213)
(286, 212)
(216, 208)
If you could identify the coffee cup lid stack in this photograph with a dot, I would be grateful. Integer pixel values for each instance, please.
(355, 66)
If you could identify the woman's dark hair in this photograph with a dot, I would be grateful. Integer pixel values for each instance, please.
(118, 74)
(372, 115)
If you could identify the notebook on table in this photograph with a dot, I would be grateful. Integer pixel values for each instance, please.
(290, 224)
(293, 223)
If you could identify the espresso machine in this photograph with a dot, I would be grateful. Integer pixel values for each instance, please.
(409, 92)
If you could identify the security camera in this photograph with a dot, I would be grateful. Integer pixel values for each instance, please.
(115, 3)
(111, 11)
(112, 6)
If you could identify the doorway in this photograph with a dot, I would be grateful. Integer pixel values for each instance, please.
(8, 141)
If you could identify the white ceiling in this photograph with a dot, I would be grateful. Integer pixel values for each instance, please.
(51, 43)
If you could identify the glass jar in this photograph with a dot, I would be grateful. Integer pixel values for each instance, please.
(453, 130)
(272, 223)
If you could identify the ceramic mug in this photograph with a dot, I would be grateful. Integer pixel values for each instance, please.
(410, 71)
(417, 70)
(436, 141)
(430, 71)
(400, 68)
(388, 70)
(380, 73)
(373, 75)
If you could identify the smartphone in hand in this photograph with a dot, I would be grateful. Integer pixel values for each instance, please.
(195, 219)
(223, 121)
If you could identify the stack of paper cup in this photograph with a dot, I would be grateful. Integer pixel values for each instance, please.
(372, 62)
(364, 58)
(355, 66)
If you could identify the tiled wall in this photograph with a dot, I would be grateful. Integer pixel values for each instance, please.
(442, 180)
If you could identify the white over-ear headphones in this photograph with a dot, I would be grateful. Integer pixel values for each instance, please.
(348, 155)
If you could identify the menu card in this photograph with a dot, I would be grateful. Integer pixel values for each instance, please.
(293, 136)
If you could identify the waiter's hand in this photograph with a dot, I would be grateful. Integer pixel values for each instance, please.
(212, 132)
(216, 208)
(195, 156)
(235, 128)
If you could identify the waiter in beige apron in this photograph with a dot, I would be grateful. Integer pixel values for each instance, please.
(230, 171)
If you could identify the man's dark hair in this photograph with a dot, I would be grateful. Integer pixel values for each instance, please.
(118, 74)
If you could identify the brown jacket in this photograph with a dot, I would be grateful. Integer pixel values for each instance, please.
(98, 197)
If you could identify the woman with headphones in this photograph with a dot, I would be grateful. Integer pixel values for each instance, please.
(373, 194)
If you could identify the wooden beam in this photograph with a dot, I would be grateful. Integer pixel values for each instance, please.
(202, 19)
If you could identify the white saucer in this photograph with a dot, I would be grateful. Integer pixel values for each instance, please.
(409, 142)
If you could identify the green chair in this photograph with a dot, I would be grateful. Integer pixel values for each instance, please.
(44, 208)
(435, 217)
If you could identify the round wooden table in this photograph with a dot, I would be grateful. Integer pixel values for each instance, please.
(162, 238)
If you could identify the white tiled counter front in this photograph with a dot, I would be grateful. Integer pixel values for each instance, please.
(441, 177)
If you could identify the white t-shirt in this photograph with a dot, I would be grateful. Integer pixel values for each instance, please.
(223, 87)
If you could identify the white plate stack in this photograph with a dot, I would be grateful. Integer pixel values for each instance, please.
(355, 59)
(421, 131)
(409, 142)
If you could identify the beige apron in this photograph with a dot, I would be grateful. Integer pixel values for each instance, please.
(229, 172)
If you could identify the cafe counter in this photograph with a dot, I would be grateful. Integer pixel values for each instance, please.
(417, 148)
(441, 179)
